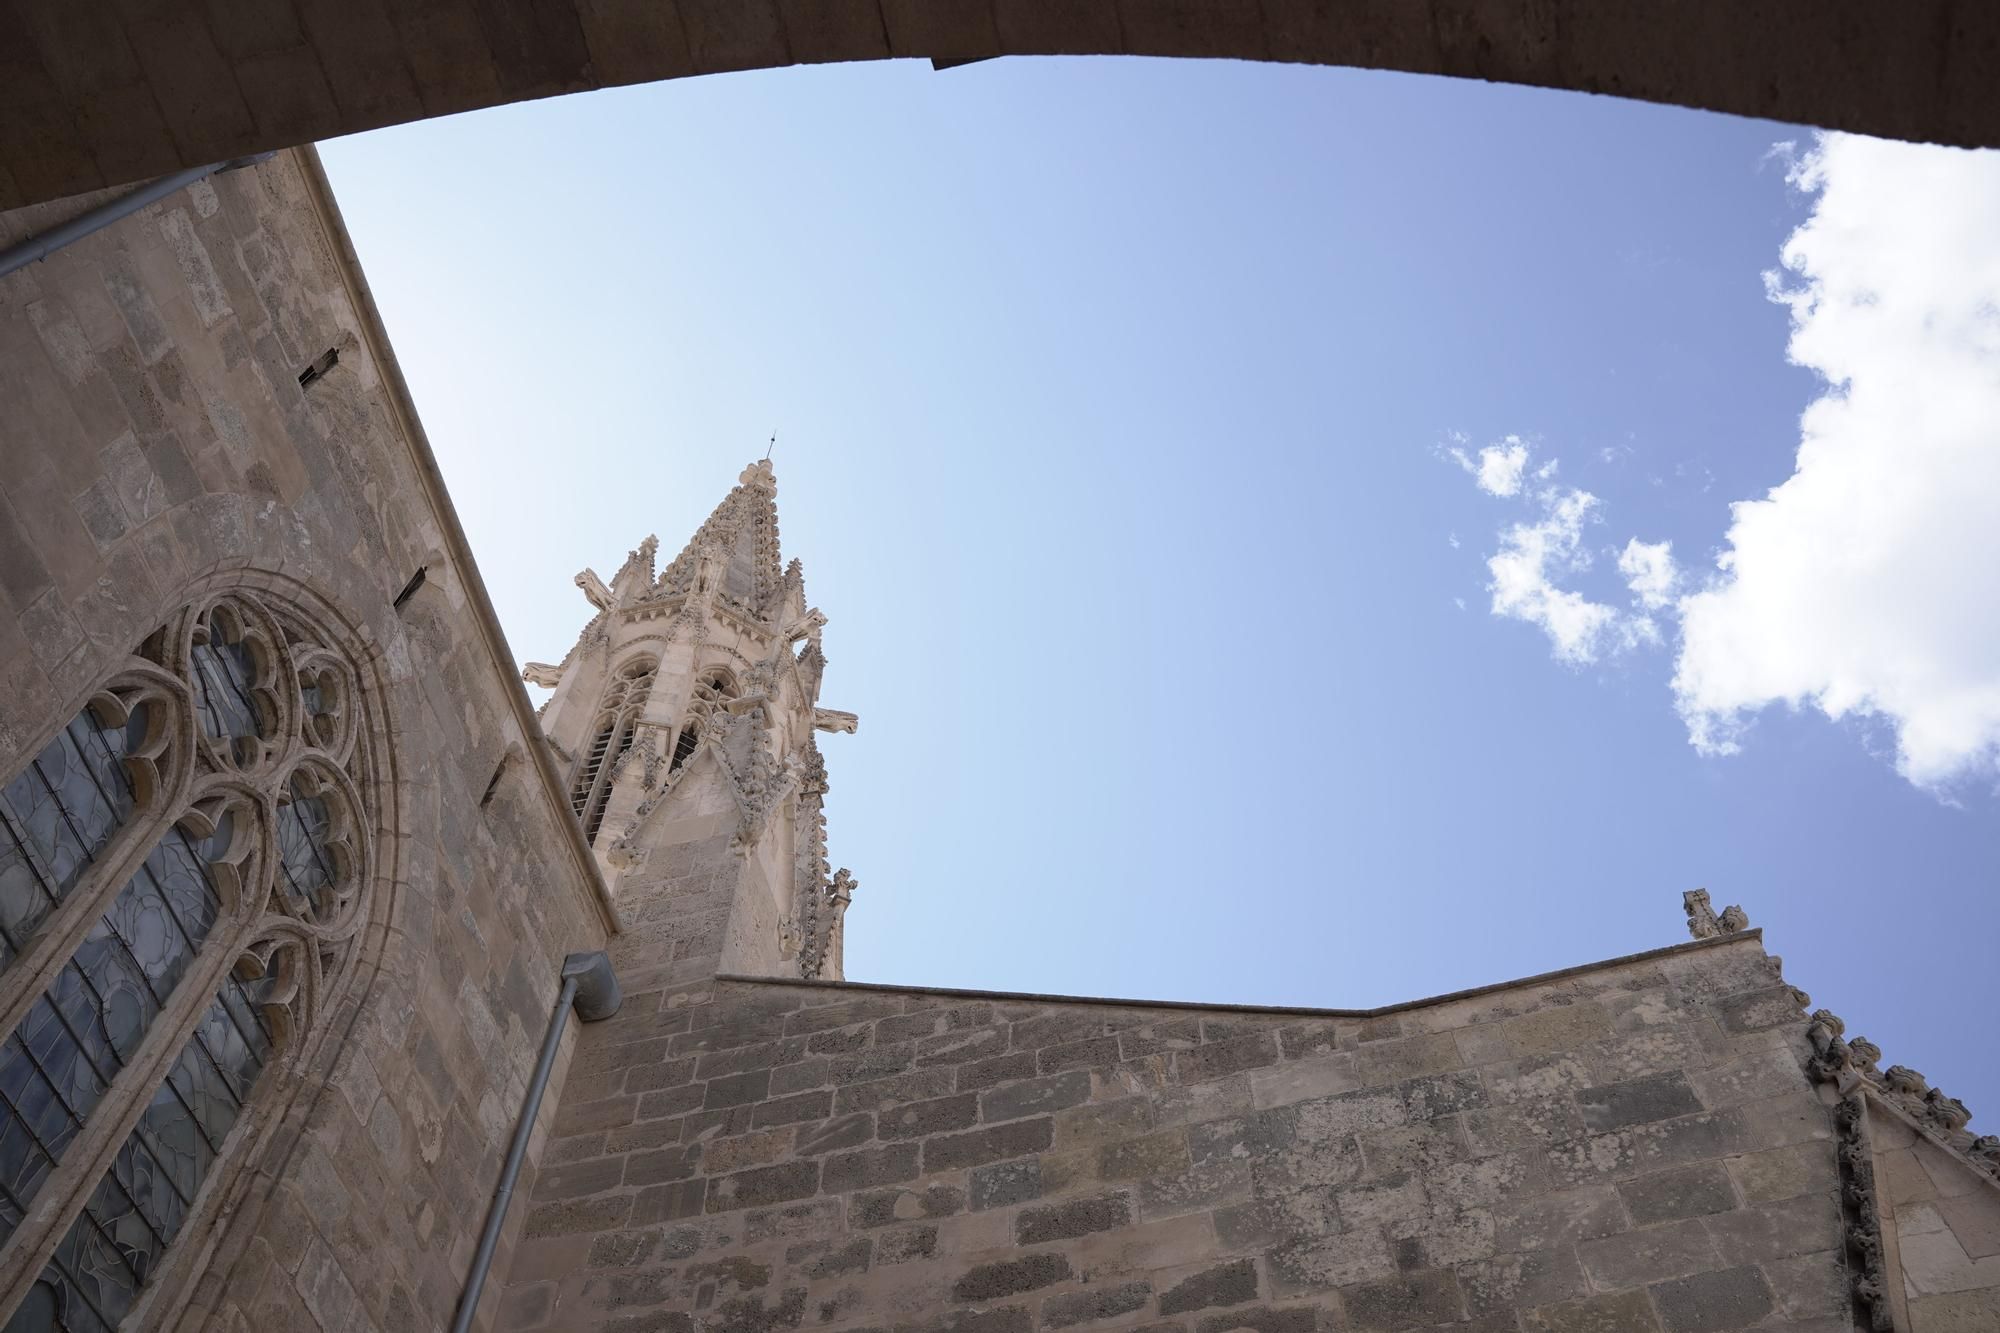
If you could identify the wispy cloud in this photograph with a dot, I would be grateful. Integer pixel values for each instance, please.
(1528, 568)
(1497, 468)
(1539, 556)
(1868, 582)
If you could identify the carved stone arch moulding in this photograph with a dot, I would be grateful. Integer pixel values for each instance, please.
(310, 969)
(253, 732)
(633, 654)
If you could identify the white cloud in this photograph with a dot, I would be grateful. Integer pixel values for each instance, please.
(1868, 583)
(1537, 556)
(1497, 468)
(1525, 570)
(1650, 573)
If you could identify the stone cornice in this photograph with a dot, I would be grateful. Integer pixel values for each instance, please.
(1747, 936)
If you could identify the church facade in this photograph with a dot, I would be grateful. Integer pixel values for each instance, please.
(290, 866)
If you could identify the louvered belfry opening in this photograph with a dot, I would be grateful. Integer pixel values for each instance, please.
(611, 738)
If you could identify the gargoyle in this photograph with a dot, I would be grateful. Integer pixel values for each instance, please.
(832, 719)
(594, 589)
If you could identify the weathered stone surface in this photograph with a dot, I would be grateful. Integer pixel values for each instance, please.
(1227, 1284)
(977, 1147)
(1638, 1102)
(1690, 1191)
(916, 1119)
(1011, 1277)
(763, 1186)
(1406, 1301)
(1451, 1197)
(1094, 1304)
(1714, 1301)
(1035, 1096)
(906, 1244)
(868, 1168)
(1635, 1258)
(1003, 1183)
(1067, 1221)
(1620, 1312)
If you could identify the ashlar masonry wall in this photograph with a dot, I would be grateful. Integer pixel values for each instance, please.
(157, 444)
(1633, 1146)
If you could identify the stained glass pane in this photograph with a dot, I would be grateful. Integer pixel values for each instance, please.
(118, 1240)
(223, 675)
(303, 829)
(56, 1066)
(57, 816)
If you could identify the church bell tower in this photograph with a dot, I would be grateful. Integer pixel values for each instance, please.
(686, 718)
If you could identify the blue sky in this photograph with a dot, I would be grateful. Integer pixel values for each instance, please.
(1116, 403)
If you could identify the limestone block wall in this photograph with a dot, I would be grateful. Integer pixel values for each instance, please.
(1943, 1220)
(155, 440)
(1633, 1146)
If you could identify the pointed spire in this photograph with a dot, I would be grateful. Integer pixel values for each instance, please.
(738, 545)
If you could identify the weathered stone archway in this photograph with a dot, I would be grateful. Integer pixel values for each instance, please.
(94, 95)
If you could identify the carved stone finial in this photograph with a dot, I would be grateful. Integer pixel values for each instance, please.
(1703, 923)
(1947, 1113)
(1905, 1080)
(1830, 1054)
(1862, 1054)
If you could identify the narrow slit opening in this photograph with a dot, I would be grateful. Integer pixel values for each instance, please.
(319, 368)
(493, 784)
(410, 588)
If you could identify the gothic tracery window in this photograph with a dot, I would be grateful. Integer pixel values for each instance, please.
(712, 691)
(611, 736)
(183, 874)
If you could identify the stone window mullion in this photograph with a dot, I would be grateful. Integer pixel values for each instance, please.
(612, 733)
(84, 1161)
(55, 939)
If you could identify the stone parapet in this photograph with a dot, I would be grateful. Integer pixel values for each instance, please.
(1635, 1145)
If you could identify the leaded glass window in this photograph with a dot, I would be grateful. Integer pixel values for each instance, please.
(122, 1234)
(197, 830)
(58, 814)
(88, 1025)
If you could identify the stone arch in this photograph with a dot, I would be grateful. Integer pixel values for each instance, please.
(1917, 71)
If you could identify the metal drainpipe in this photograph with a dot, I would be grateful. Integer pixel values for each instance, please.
(41, 247)
(589, 984)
